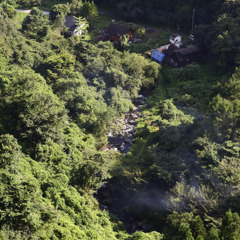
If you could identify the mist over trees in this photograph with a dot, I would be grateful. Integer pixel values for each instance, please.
(60, 96)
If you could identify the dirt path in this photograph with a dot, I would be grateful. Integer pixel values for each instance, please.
(29, 10)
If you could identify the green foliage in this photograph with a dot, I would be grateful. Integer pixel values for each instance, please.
(198, 229)
(35, 25)
(165, 12)
(59, 10)
(20, 191)
(9, 9)
(165, 152)
(158, 139)
(230, 228)
(180, 224)
(122, 43)
(15, 47)
(141, 32)
(148, 236)
(37, 197)
(221, 38)
(159, 40)
(28, 3)
(38, 113)
(76, 6)
(89, 10)
(226, 108)
(53, 126)
(213, 234)
(193, 85)
(58, 65)
(111, 79)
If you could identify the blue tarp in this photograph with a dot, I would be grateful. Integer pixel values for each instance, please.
(162, 56)
(157, 56)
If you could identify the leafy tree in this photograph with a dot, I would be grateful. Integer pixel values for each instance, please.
(230, 228)
(76, 6)
(15, 47)
(20, 192)
(9, 9)
(28, 3)
(59, 10)
(89, 10)
(225, 47)
(35, 25)
(148, 236)
(199, 237)
(226, 107)
(31, 111)
(198, 228)
(141, 31)
(122, 43)
(189, 235)
(58, 65)
(180, 224)
(213, 234)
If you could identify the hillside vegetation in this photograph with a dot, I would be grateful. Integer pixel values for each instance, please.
(60, 97)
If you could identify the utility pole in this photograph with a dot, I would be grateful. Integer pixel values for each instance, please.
(193, 16)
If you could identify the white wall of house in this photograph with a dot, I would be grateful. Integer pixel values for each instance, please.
(79, 30)
(176, 40)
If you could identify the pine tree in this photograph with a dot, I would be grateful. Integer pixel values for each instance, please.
(198, 228)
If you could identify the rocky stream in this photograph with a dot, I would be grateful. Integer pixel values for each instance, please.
(122, 140)
(111, 196)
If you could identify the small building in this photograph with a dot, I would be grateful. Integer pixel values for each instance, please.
(180, 57)
(115, 31)
(73, 28)
(176, 40)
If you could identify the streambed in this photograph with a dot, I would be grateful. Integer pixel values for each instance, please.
(111, 196)
(122, 140)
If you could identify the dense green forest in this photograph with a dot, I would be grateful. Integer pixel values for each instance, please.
(61, 96)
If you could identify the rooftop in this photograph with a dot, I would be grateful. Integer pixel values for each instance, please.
(70, 22)
(188, 49)
(117, 29)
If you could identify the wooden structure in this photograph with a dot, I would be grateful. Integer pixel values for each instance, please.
(115, 31)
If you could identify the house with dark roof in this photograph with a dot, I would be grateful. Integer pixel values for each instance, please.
(180, 57)
(115, 31)
(72, 26)
(70, 23)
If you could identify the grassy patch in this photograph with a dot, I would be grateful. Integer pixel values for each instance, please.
(159, 93)
(157, 41)
(90, 37)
